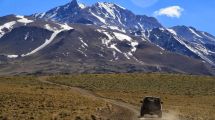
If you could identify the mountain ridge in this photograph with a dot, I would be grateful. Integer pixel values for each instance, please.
(100, 13)
(78, 41)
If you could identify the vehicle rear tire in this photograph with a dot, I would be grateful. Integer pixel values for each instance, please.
(142, 112)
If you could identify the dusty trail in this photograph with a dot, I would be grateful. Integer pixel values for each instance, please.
(133, 109)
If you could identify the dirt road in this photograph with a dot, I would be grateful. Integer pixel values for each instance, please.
(133, 109)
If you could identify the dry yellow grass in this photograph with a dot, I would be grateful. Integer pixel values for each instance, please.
(193, 97)
(28, 98)
(24, 98)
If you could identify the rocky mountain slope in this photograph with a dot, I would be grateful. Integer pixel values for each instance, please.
(201, 43)
(75, 39)
(186, 40)
(103, 14)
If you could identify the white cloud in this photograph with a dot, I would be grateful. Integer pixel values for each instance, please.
(171, 11)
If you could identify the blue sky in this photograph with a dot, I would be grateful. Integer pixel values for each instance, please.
(197, 13)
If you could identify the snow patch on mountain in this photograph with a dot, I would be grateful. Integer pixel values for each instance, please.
(162, 29)
(134, 46)
(113, 46)
(115, 28)
(8, 26)
(83, 43)
(213, 39)
(172, 31)
(54, 13)
(197, 51)
(200, 43)
(141, 26)
(64, 27)
(81, 5)
(99, 18)
(202, 48)
(122, 37)
(115, 56)
(109, 43)
(193, 31)
(127, 56)
(48, 27)
(47, 42)
(26, 36)
(83, 53)
(40, 15)
(109, 8)
(121, 7)
(12, 56)
(24, 20)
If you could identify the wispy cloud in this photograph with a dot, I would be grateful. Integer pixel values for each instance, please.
(171, 11)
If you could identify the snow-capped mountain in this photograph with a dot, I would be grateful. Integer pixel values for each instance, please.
(101, 38)
(103, 14)
(168, 41)
(31, 35)
(201, 43)
(28, 45)
(115, 17)
(184, 40)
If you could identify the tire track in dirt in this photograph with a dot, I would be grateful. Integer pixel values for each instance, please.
(133, 109)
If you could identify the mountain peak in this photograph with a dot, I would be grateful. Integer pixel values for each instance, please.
(73, 2)
(108, 4)
(101, 13)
